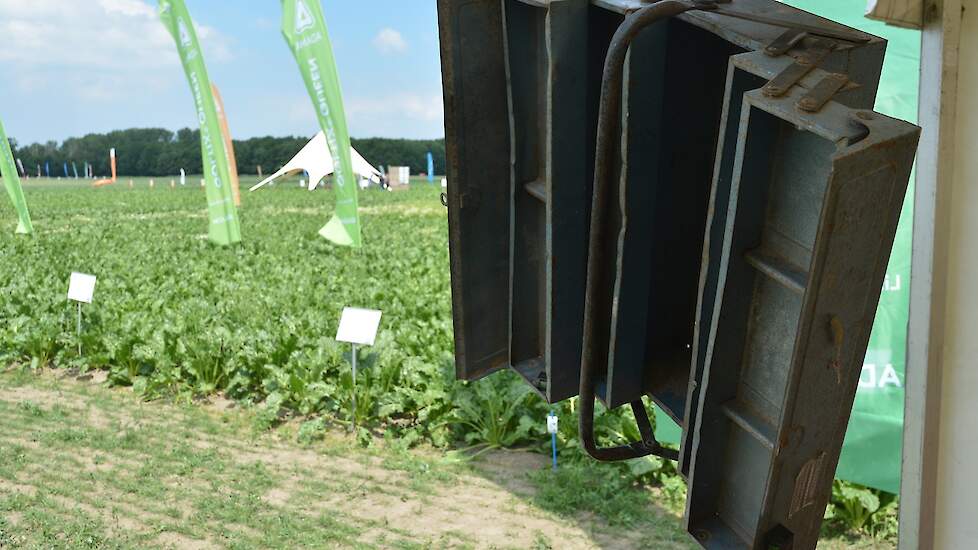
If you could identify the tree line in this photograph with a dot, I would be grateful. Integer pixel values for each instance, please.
(160, 152)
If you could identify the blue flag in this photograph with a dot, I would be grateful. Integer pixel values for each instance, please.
(74, 168)
(66, 169)
(47, 169)
(431, 167)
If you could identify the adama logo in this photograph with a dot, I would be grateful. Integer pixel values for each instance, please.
(184, 34)
(303, 17)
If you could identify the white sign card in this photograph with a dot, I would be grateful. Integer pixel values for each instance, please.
(81, 287)
(551, 423)
(358, 326)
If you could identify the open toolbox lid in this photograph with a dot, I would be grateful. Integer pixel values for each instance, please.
(477, 149)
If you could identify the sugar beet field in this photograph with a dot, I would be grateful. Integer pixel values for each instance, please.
(210, 406)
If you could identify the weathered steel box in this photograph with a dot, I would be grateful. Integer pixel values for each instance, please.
(749, 182)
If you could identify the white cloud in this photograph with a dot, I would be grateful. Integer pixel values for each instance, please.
(390, 41)
(94, 44)
(265, 23)
(418, 107)
(128, 8)
(412, 115)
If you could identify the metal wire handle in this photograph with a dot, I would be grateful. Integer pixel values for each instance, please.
(609, 114)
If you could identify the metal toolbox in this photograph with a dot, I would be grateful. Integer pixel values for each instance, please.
(749, 211)
(810, 193)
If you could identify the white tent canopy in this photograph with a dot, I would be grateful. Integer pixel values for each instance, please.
(315, 158)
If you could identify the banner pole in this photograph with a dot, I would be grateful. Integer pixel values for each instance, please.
(304, 29)
(225, 226)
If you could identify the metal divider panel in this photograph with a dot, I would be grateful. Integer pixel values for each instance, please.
(527, 63)
(547, 57)
(569, 181)
(632, 228)
(748, 71)
(478, 150)
(738, 83)
(814, 204)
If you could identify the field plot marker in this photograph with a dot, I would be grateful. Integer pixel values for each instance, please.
(357, 327)
(81, 288)
(552, 430)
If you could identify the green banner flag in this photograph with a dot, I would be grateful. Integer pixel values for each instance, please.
(304, 28)
(224, 228)
(12, 182)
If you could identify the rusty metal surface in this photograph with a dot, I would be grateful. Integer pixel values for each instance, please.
(817, 97)
(661, 223)
(659, 228)
(816, 51)
(789, 39)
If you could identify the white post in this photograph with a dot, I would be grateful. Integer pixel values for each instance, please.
(78, 329)
(357, 327)
(354, 389)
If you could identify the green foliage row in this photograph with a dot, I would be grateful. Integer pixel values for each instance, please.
(175, 314)
(160, 152)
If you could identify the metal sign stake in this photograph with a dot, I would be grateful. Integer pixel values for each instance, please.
(81, 288)
(357, 327)
(354, 388)
(78, 329)
(552, 429)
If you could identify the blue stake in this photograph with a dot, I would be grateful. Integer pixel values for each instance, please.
(552, 428)
(553, 445)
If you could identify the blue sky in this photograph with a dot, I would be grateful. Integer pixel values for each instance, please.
(77, 66)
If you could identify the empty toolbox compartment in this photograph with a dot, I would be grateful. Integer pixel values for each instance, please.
(547, 54)
(664, 169)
